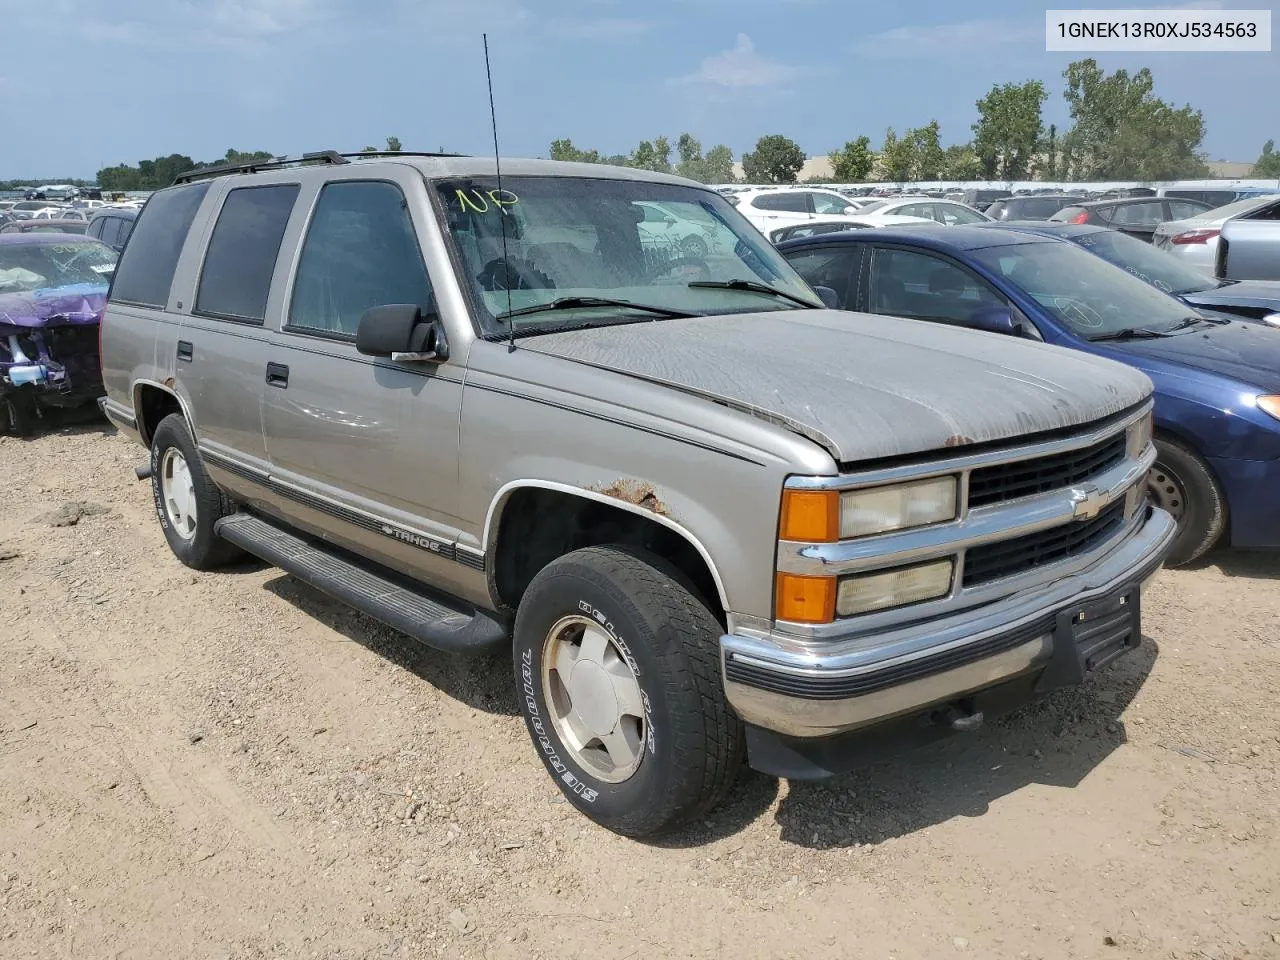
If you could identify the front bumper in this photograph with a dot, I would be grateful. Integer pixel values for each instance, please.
(811, 690)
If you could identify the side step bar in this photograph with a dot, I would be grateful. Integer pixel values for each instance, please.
(437, 623)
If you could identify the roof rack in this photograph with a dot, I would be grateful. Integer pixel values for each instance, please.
(399, 153)
(253, 166)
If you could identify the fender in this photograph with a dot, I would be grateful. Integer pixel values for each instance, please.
(164, 388)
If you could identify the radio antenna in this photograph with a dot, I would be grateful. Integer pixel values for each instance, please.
(502, 212)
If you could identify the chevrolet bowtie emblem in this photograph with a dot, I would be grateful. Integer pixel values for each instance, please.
(1087, 502)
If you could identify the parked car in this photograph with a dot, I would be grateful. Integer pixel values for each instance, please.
(44, 226)
(61, 213)
(820, 225)
(7, 205)
(1250, 299)
(774, 207)
(679, 230)
(981, 198)
(1195, 238)
(1137, 217)
(52, 292)
(1217, 381)
(26, 209)
(1033, 207)
(705, 513)
(1249, 249)
(112, 225)
(926, 208)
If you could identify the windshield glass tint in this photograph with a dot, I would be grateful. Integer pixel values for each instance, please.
(1162, 270)
(1085, 293)
(627, 240)
(36, 266)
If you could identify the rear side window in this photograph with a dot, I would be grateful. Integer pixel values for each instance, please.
(791, 202)
(360, 252)
(236, 277)
(146, 270)
(106, 229)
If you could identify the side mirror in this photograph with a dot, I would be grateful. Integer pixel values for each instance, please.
(828, 296)
(402, 331)
(1273, 319)
(995, 320)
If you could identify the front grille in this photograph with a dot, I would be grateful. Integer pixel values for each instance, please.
(1008, 481)
(1008, 557)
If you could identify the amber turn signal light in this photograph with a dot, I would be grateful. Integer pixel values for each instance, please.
(805, 599)
(810, 515)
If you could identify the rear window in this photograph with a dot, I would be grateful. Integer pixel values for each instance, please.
(236, 277)
(791, 202)
(146, 269)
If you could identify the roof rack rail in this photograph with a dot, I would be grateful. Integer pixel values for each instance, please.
(399, 153)
(252, 166)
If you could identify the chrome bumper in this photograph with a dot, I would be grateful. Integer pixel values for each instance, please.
(813, 689)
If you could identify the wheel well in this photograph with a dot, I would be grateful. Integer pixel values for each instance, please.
(152, 405)
(539, 525)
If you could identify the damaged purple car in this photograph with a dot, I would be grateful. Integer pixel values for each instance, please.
(53, 288)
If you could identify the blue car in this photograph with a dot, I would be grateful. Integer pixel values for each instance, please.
(1217, 380)
(1247, 299)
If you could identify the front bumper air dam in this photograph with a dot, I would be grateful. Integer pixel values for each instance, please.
(808, 709)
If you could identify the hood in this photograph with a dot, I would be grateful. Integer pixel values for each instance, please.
(78, 304)
(1245, 352)
(1263, 294)
(862, 386)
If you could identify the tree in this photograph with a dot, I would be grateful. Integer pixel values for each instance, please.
(718, 164)
(959, 162)
(897, 157)
(652, 155)
(852, 163)
(1008, 130)
(926, 148)
(1051, 154)
(393, 145)
(242, 156)
(368, 149)
(565, 150)
(776, 159)
(1122, 131)
(1268, 165)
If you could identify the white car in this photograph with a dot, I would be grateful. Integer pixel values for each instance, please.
(821, 225)
(676, 231)
(767, 208)
(1194, 240)
(930, 208)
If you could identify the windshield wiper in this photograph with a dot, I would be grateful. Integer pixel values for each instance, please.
(1203, 318)
(574, 303)
(1129, 333)
(754, 287)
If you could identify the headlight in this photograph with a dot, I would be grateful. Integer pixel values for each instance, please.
(894, 588)
(883, 509)
(1270, 404)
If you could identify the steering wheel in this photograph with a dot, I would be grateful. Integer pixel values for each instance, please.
(513, 274)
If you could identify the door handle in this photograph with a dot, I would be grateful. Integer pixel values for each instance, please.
(185, 351)
(277, 375)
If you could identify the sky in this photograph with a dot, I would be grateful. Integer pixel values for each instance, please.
(86, 84)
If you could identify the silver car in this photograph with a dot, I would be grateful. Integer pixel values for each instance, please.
(704, 515)
(1195, 239)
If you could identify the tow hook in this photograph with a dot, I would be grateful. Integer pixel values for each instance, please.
(143, 472)
(958, 720)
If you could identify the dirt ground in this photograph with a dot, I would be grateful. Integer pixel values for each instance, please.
(231, 765)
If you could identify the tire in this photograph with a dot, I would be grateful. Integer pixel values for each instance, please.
(694, 246)
(18, 413)
(189, 531)
(1181, 483)
(687, 745)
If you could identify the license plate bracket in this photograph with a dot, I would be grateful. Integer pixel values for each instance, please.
(1087, 638)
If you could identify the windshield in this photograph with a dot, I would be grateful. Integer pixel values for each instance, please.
(1162, 270)
(1085, 293)
(656, 245)
(35, 266)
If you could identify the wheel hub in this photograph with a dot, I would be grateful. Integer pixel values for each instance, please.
(1167, 490)
(179, 493)
(594, 698)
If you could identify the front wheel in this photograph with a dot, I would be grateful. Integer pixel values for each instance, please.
(617, 664)
(1181, 483)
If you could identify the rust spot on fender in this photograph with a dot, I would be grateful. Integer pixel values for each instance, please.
(168, 382)
(958, 440)
(636, 492)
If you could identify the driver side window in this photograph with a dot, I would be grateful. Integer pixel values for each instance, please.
(921, 286)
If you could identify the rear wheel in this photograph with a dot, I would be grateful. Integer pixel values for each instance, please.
(188, 503)
(1181, 483)
(617, 664)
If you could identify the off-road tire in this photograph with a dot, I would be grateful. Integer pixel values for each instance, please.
(695, 742)
(1204, 515)
(205, 550)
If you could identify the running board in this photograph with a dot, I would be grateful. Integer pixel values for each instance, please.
(434, 622)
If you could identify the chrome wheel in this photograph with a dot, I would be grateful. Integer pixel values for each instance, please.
(179, 493)
(1167, 490)
(594, 698)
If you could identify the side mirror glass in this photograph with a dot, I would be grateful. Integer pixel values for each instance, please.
(402, 331)
(828, 296)
(995, 320)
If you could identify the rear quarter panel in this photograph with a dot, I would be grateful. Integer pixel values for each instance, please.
(1249, 250)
